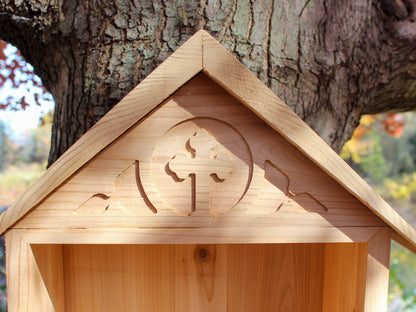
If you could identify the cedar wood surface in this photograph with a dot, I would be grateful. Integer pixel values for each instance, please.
(191, 277)
(288, 198)
(203, 53)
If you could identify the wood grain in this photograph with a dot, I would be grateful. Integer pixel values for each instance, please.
(194, 277)
(50, 264)
(160, 84)
(377, 277)
(253, 235)
(167, 203)
(222, 67)
(259, 181)
(206, 277)
(202, 52)
(113, 270)
(344, 277)
(26, 288)
(288, 279)
(12, 242)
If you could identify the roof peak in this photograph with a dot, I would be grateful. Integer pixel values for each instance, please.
(203, 53)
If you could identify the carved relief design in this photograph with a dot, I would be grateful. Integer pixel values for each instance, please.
(126, 197)
(95, 205)
(278, 194)
(200, 165)
(203, 166)
(204, 161)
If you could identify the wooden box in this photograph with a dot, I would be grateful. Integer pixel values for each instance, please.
(200, 191)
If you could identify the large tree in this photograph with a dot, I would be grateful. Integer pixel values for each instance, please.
(330, 60)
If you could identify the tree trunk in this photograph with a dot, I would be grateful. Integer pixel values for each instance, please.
(331, 61)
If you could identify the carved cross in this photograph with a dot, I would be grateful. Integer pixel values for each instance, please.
(204, 166)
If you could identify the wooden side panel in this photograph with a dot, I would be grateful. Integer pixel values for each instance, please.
(377, 277)
(193, 278)
(14, 271)
(49, 261)
(344, 278)
(26, 289)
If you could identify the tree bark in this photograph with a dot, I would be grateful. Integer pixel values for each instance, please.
(331, 61)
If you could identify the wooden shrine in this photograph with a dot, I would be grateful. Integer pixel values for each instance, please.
(200, 191)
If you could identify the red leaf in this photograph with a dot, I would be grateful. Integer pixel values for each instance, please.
(23, 103)
(393, 124)
(15, 64)
(2, 47)
(37, 98)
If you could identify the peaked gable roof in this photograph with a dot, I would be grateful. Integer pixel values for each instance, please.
(202, 53)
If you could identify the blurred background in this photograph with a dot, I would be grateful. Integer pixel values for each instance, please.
(382, 151)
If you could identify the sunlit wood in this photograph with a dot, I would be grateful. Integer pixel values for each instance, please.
(200, 191)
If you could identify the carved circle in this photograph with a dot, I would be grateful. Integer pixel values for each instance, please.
(201, 165)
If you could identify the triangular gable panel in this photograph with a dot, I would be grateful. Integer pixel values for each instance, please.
(202, 159)
(203, 53)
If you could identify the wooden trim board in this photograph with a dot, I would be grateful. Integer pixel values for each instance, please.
(41, 268)
(25, 283)
(280, 234)
(378, 268)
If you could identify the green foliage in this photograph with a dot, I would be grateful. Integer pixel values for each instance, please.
(33, 148)
(377, 154)
(20, 164)
(402, 292)
(387, 159)
(38, 141)
(16, 179)
(25, 161)
(373, 163)
(401, 187)
(8, 151)
(400, 152)
(400, 155)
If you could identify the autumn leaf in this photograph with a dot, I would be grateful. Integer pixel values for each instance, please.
(393, 124)
(23, 103)
(2, 47)
(18, 75)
